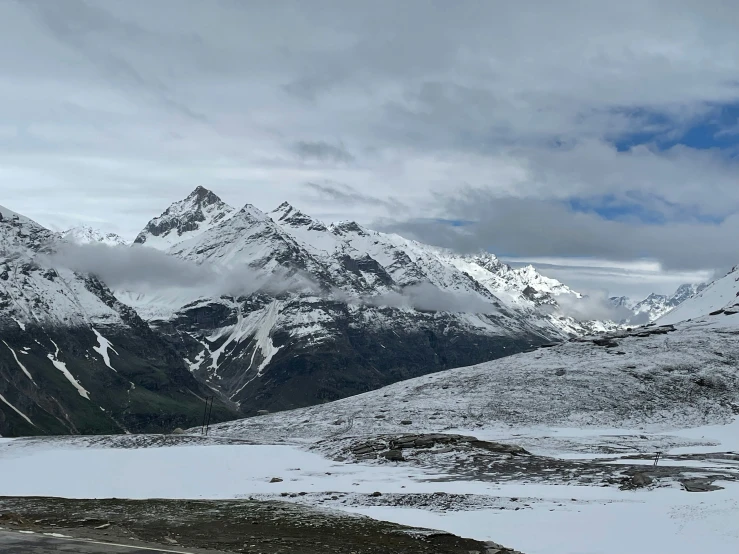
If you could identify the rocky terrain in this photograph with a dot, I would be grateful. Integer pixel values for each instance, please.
(659, 377)
(228, 526)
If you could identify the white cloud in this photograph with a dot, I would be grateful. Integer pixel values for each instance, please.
(112, 109)
(598, 277)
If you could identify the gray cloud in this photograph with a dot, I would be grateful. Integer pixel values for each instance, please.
(425, 297)
(87, 29)
(322, 151)
(113, 109)
(342, 194)
(595, 305)
(634, 279)
(526, 226)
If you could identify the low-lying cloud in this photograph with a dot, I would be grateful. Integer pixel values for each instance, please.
(424, 297)
(146, 270)
(143, 269)
(593, 306)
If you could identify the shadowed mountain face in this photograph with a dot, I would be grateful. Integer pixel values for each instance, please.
(73, 359)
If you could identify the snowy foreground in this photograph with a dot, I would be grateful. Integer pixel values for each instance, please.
(531, 517)
(549, 452)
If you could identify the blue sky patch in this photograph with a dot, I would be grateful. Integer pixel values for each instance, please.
(718, 128)
(636, 206)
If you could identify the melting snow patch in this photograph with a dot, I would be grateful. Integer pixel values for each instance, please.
(193, 366)
(23, 368)
(61, 366)
(102, 348)
(257, 325)
(20, 323)
(16, 410)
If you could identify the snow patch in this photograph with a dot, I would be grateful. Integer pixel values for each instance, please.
(16, 410)
(23, 368)
(102, 348)
(61, 366)
(20, 323)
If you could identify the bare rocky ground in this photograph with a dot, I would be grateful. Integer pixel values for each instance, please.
(265, 527)
(466, 458)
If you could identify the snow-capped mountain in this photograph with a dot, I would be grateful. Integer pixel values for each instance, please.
(718, 299)
(299, 311)
(654, 306)
(316, 311)
(84, 234)
(185, 219)
(73, 359)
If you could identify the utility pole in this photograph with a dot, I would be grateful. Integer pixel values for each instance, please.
(210, 411)
(206, 415)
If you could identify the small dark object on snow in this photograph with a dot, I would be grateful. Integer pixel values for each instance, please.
(276, 480)
(393, 456)
(637, 481)
(700, 485)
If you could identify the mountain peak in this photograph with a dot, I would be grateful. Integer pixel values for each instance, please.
(342, 228)
(200, 211)
(85, 234)
(203, 196)
(287, 214)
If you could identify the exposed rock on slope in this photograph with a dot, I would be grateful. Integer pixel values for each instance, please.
(198, 212)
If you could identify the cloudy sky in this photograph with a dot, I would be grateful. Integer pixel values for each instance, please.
(596, 138)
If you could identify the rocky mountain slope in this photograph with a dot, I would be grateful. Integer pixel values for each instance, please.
(73, 359)
(315, 312)
(655, 378)
(200, 211)
(654, 306)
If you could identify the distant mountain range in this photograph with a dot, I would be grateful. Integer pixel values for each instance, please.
(85, 234)
(283, 311)
(653, 306)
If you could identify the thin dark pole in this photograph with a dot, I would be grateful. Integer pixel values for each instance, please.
(205, 413)
(210, 412)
